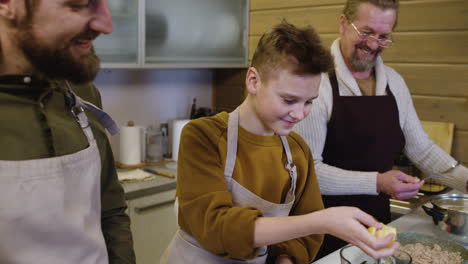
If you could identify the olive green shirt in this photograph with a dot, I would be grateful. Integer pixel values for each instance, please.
(36, 123)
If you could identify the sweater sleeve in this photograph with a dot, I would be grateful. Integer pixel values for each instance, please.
(206, 209)
(419, 148)
(332, 180)
(308, 199)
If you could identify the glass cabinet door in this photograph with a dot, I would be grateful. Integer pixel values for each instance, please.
(120, 48)
(198, 33)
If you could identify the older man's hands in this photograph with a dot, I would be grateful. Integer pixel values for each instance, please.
(398, 184)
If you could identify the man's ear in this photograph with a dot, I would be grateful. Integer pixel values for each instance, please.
(7, 9)
(342, 23)
(252, 81)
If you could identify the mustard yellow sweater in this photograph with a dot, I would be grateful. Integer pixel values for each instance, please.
(206, 210)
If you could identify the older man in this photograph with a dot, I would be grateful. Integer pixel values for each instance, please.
(60, 200)
(364, 117)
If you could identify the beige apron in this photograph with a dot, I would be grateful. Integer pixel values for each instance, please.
(50, 209)
(185, 249)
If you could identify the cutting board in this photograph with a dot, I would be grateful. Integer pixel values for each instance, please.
(442, 134)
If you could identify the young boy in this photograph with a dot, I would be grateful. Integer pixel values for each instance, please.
(246, 185)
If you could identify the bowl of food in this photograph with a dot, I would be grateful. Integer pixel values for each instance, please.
(432, 249)
(353, 255)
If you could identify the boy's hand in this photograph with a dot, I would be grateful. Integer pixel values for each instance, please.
(348, 223)
(383, 232)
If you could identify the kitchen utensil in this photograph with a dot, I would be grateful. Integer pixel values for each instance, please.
(445, 244)
(450, 213)
(351, 254)
(159, 172)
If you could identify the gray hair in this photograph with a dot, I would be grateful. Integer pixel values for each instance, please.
(351, 7)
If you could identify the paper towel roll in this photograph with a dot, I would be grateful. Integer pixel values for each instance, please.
(177, 126)
(130, 145)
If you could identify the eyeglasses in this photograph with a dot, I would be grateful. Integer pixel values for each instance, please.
(383, 42)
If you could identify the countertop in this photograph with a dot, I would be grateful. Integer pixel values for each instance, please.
(136, 189)
(416, 221)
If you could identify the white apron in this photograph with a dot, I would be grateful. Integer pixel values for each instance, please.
(185, 249)
(50, 209)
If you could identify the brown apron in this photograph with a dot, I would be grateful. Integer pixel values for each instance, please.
(363, 134)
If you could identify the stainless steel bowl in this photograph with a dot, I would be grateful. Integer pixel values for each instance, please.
(450, 213)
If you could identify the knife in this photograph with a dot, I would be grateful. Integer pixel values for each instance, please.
(158, 172)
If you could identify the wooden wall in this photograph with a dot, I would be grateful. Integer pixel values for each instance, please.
(430, 51)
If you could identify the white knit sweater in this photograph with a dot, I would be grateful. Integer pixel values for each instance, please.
(426, 155)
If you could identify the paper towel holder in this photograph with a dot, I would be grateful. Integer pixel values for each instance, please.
(138, 155)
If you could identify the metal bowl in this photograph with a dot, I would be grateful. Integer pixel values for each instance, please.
(353, 255)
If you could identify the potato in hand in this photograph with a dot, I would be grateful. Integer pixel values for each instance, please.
(383, 232)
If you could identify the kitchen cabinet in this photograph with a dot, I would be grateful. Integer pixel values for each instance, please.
(176, 34)
(153, 224)
(121, 48)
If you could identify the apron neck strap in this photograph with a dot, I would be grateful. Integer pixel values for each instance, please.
(74, 101)
(232, 136)
(232, 139)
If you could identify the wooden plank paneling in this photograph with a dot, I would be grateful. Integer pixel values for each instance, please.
(435, 47)
(435, 79)
(275, 4)
(323, 19)
(430, 51)
(433, 15)
(413, 16)
(327, 40)
(429, 47)
(447, 109)
(460, 146)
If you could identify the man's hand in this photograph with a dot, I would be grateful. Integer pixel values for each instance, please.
(398, 184)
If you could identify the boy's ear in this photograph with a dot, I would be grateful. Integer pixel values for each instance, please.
(7, 9)
(252, 81)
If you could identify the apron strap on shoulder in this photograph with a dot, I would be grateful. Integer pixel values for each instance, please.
(105, 119)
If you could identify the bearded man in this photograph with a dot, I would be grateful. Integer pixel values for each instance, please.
(364, 118)
(60, 200)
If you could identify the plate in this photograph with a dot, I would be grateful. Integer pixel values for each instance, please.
(449, 245)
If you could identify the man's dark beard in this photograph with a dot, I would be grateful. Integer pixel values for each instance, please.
(360, 65)
(58, 63)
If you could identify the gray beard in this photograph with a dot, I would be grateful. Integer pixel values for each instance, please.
(361, 65)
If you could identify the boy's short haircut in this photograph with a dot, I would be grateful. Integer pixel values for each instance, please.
(298, 50)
